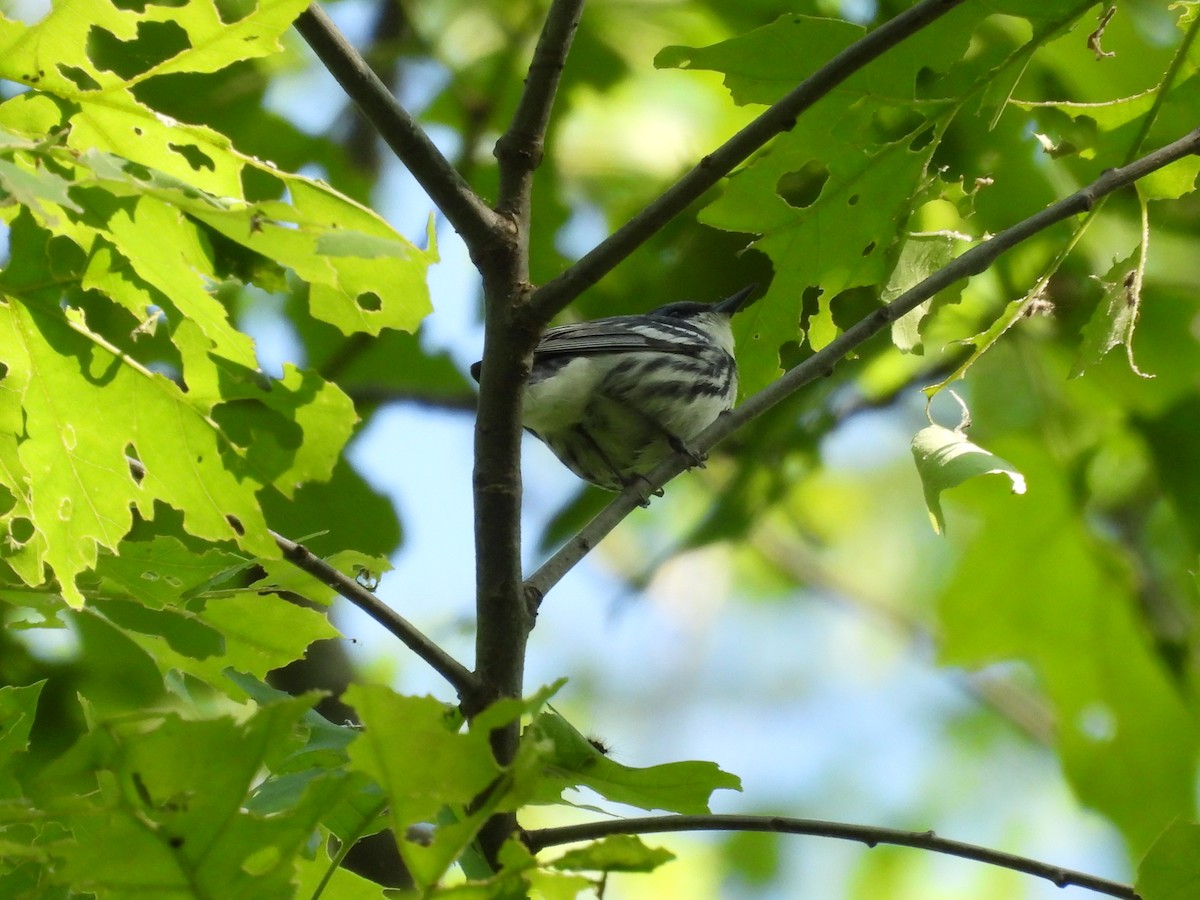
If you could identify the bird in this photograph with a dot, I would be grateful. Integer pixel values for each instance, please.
(614, 397)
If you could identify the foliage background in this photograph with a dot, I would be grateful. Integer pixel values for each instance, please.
(1025, 681)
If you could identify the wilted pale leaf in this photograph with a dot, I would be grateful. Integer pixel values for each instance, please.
(946, 459)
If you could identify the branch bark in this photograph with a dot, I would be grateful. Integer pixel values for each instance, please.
(478, 224)
(503, 619)
(972, 262)
(519, 150)
(553, 296)
(459, 677)
(870, 835)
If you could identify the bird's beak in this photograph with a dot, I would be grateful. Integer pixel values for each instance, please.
(736, 302)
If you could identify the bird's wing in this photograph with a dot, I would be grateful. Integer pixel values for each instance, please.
(612, 335)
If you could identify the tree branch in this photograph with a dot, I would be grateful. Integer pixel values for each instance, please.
(445, 665)
(542, 838)
(972, 262)
(470, 216)
(503, 619)
(519, 150)
(553, 296)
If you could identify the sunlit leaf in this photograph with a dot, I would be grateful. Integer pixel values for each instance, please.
(682, 787)
(946, 458)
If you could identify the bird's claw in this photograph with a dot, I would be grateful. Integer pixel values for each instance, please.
(697, 457)
(645, 485)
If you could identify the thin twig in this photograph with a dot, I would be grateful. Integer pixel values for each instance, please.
(519, 150)
(459, 677)
(553, 296)
(542, 838)
(972, 262)
(448, 667)
(470, 216)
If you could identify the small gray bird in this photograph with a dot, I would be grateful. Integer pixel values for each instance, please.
(614, 397)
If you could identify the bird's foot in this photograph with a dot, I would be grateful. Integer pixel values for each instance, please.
(644, 489)
(696, 457)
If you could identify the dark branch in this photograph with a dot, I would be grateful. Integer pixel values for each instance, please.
(557, 293)
(503, 619)
(519, 149)
(470, 216)
(871, 836)
(972, 262)
(445, 665)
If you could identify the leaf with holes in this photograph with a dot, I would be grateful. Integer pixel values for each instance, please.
(364, 276)
(1115, 318)
(175, 818)
(86, 408)
(94, 46)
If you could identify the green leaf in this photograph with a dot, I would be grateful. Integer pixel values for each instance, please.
(164, 572)
(1173, 181)
(363, 275)
(617, 853)
(171, 819)
(366, 519)
(946, 459)
(1041, 587)
(1116, 315)
(87, 406)
(558, 885)
(72, 41)
(411, 747)
(197, 613)
(28, 187)
(920, 256)
(682, 787)
(117, 674)
(343, 885)
(762, 65)
(1171, 868)
(22, 546)
(18, 706)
